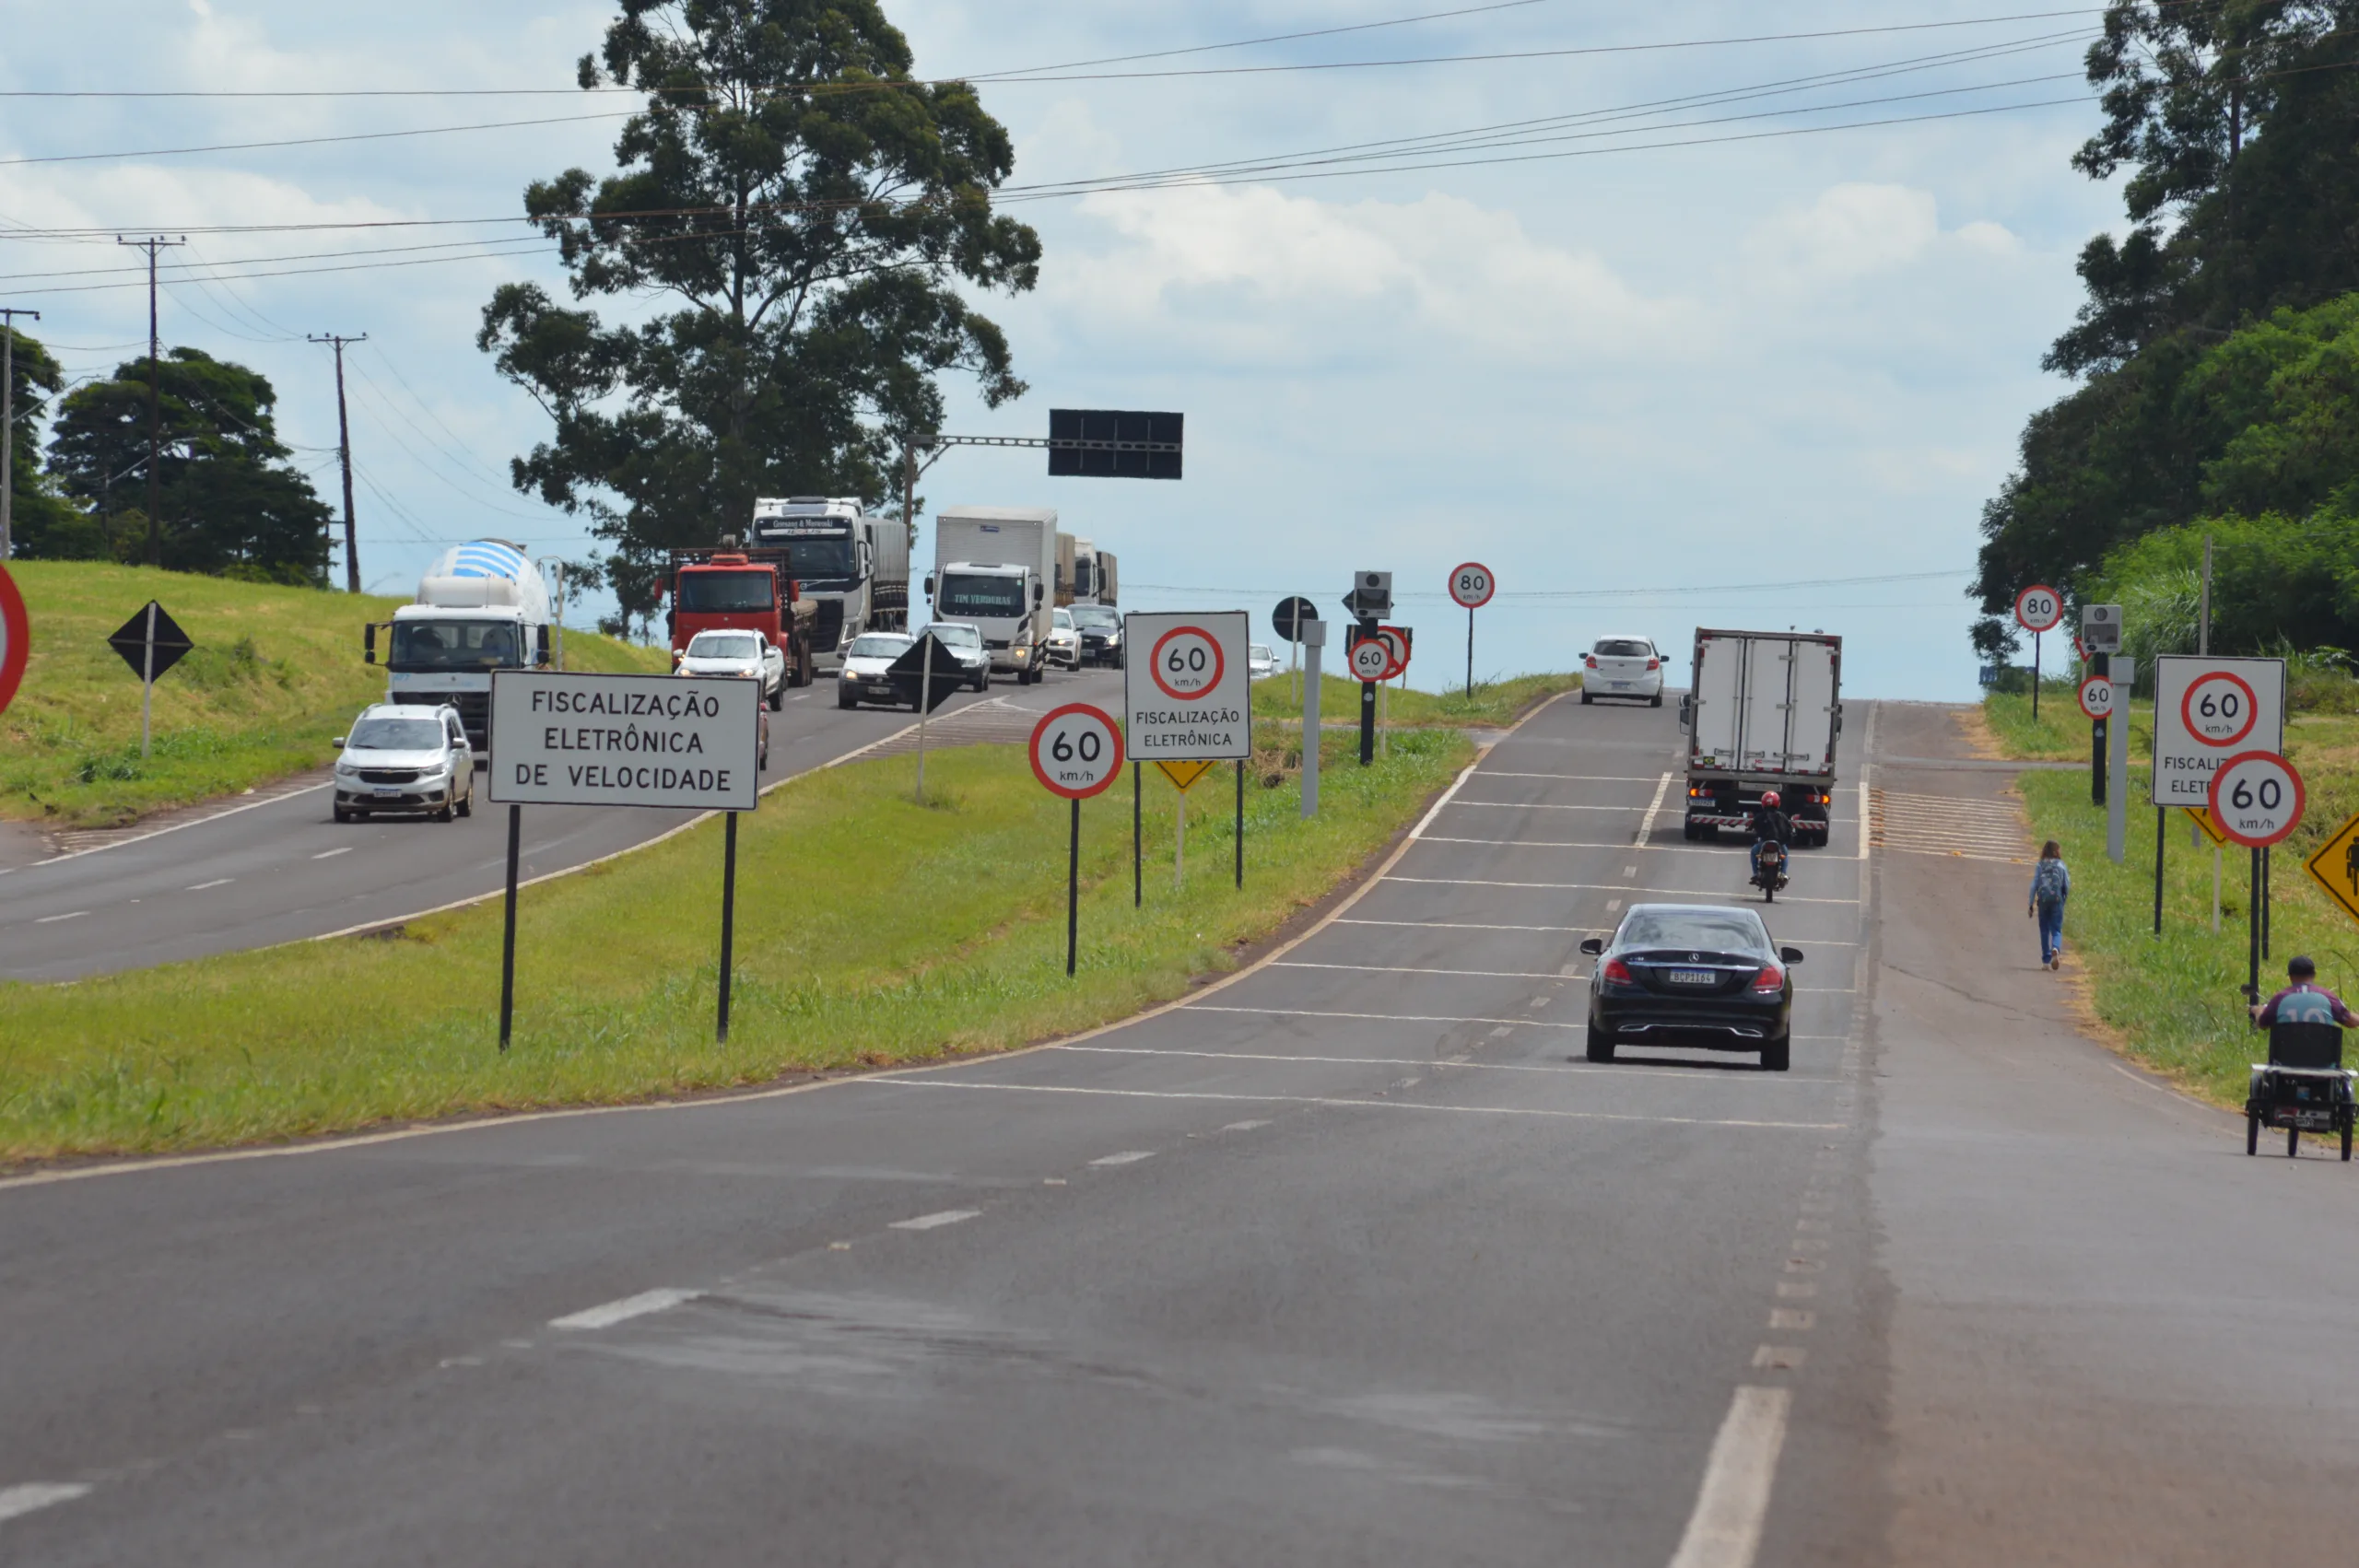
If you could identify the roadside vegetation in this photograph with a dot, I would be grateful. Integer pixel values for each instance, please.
(1493, 702)
(274, 677)
(871, 930)
(2062, 734)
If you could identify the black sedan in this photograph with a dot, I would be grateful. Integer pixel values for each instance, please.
(1692, 974)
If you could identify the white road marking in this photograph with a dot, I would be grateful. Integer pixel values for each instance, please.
(1458, 1062)
(1376, 1017)
(1794, 1317)
(195, 822)
(53, 919)
(1725, 1529)
(606, 1316)
(1629, 870)
(1469, 925)
(332, 854)
(1780, 1358)
(1596, 886)
(1537, 805)
(1402, 969)
(1581, 778)
(928, 1221)
(1730, 851)
(1647, 823)
(1333, 1101)
(26, 1496)
(1244, 1125)
(1501, 1033)
(1447, 796)
(1127, 1157)
(217, 882)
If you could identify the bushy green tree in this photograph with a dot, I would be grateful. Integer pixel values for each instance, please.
(2277, 583)
(42, 525)
(806, 210)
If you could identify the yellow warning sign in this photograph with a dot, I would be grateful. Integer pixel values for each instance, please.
(2336, 867)
(1184, 774)
(2201, 817)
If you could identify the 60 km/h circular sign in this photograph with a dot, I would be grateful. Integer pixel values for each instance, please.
(1472, 585)
(15, 638)
(2039, 608)
(2097, 698)
(1186, 662)
(1371, 661)
(2219, 709)
(1076, 751)
(2256, 798)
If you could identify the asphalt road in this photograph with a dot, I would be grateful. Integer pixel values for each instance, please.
(282, 871)
(1351, 1260)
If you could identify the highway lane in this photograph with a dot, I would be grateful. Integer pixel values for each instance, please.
(1352, 1260)
(283, 871)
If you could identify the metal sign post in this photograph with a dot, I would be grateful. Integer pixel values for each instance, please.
(151, 642)
(1472, 585)
(2097, 700)
(2206, 710)
(1184, 776)
(1076, 752)
(1288, 620)
(2256, 798)
(1368, 601)
(2117, 812)
(1314, 639)
(2037, 609)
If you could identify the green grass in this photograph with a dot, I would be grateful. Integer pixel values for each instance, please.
(1494, 702)
(274, 677)
(871, 929)
(2063, 732)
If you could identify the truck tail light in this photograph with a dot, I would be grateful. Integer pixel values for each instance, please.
(1618, 973)
(1770, 980)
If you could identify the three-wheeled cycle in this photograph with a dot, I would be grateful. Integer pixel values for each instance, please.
(2303, 1087)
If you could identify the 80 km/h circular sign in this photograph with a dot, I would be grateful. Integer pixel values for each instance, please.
(2039, 608)
(15, 638)
(1472, 585)
(2256, 798)
(2097, 698)
(1186, 662)
(2219, 709)
(1076, 751)
(1371, 661)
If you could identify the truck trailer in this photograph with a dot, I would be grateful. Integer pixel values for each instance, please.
(994, 569)
(1763, 711)
(853, 567)
(481, 606)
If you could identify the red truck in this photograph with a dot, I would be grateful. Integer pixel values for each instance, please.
(742, 590)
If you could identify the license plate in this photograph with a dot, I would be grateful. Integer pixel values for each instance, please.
(384, 792)
(1692, 978)
(2320, 1121)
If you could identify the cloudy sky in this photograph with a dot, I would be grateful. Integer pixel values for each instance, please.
(1637, 378)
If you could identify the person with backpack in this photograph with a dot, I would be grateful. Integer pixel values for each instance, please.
(2051, 885)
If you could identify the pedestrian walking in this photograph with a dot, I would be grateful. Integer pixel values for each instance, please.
(2051, 885)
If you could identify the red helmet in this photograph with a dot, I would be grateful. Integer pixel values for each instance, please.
(1769, 797)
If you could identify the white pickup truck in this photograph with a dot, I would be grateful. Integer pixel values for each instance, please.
(727, 652)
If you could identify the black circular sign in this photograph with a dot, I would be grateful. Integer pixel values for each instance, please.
(1290, 614)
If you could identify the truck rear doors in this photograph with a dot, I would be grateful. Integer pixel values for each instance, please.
(1764, 704)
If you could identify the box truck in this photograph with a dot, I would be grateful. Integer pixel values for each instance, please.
(994, 568)
(1763, 711)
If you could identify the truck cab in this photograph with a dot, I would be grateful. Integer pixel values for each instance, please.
(853, 568)
(480, 607)
(1002, 601)
(748, 590)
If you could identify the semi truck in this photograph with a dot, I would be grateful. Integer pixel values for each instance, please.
(481, 606)
(741, 589)
(1763, 711)
(994, 568)
(853, 567)
(1085, 572)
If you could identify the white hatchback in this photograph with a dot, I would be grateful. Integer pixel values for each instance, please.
(1624, 667)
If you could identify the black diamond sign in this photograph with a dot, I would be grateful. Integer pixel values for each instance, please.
(132, 641)
(907, 672)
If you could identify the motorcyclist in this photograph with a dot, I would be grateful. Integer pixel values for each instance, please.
(1770, 825)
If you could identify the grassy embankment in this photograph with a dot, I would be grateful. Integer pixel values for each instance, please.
(1494, 702)
(275, 676)
(870, 930)
(2172, 1002)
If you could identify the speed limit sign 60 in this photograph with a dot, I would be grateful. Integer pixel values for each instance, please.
(2039, 608)
(2256, 798)
(1471, 585)
(2219, 708)
(2097, 698)
(1371, 661)
(1076, 751)
(1186, 662)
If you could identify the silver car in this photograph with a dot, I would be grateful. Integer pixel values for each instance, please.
(864, 678)
(407, 758)
(967, 642)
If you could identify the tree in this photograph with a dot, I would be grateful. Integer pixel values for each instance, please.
(231, 504)
(42, 525)
(809, 210)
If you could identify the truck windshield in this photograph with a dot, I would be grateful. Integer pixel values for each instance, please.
(723, 592)
(455, 645)
(818, 557)
(987, 598)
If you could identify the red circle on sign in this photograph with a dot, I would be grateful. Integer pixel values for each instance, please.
(2187, 708)
(1384, 672)
(2105, 681)
(2226, 824)
(1112, 764)
(1461, 595)
(1154, 663)
(2054, 598)
(15, 638)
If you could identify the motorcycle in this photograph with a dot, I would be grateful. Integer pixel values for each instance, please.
(1770, 871)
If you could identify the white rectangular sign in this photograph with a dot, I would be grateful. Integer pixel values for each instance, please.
(2207, 710)
(577, 739)
(1186, 685)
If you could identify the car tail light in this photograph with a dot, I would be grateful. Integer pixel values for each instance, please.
(1654, 663)
(1593, 660)
(1618, 973)
(1771, 979)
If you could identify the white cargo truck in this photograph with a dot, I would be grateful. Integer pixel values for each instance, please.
(995, 568)
(853, 567)
(481, 606)
(1763, 711)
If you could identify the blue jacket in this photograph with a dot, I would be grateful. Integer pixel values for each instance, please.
(2051, 882)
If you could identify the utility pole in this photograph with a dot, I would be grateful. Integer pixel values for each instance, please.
(8, 314)
(153, 244)
(344, 452)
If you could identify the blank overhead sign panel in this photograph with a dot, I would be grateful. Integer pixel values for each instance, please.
(1186, 679)
(2207, 710)
(577, 739)
(1111, 443)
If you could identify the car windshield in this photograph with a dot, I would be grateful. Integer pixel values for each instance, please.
(1623, 648)
(1724, 930)
(1000, 598)
(396, 735)
(957, 637)
(1092, 615)
(724, 645)
(1063, 620)
(879, 645)
(1261, 650)
(724, 593)
(454, 644)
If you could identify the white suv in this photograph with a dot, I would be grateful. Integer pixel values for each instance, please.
(1624, 666)
(405, 757)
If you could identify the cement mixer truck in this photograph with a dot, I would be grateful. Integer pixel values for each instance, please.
(480, 607)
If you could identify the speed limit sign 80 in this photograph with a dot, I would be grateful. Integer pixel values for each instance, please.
(1472, 585)
(2039, 608)
(1076, 751)
(2256, 798)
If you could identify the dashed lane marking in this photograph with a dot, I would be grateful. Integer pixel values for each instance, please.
(1404, 969)
(1338, 1102)
(1471, 926)
(217, 882)
(1244, 1125)
(1725, 1529)
(26, 1496)
(332, 854)
(1647, 823)
(1537, 805)
(1577, 778)
(53, 919)
(1730, 851)
(628, 1308)
(1598, 888)
(929, 1221)
(1376, 1017)
(1127, 1157)
(1458, 1063)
